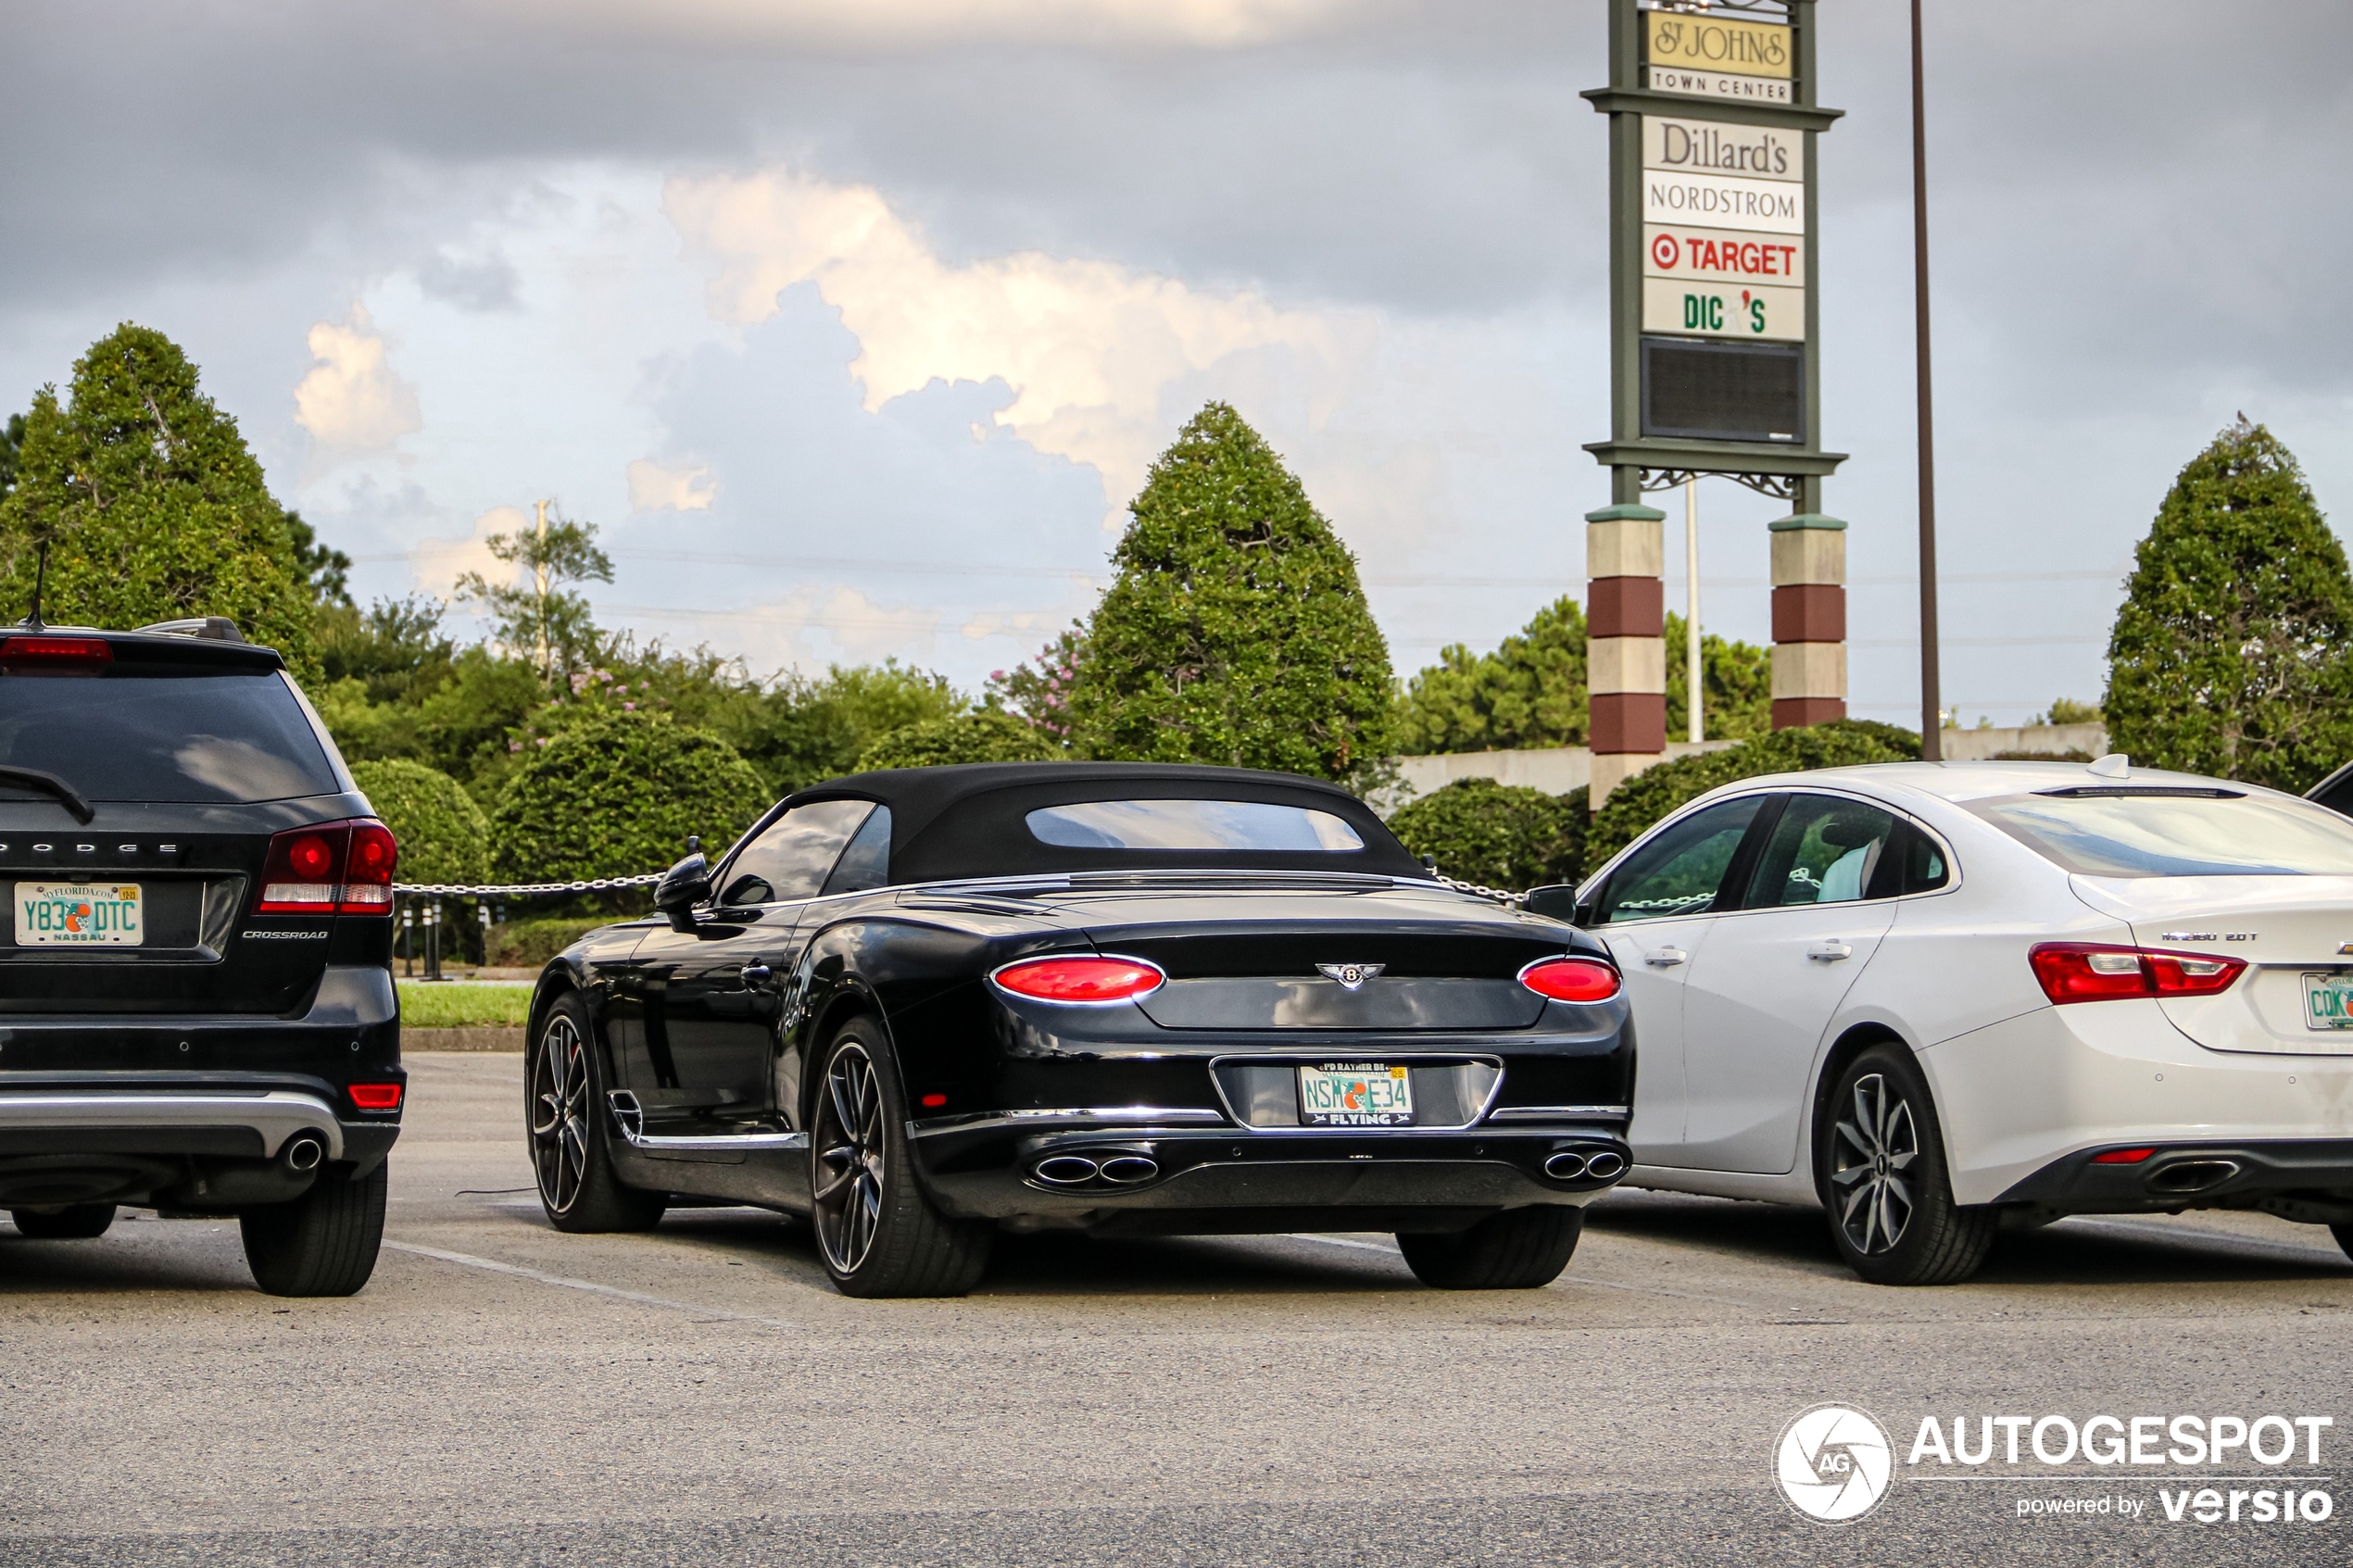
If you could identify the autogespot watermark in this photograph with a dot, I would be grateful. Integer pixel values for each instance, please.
(1835, 1464)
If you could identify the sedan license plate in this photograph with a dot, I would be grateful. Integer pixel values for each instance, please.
(78, 914)
(2328, 1000)
(1355, 1094)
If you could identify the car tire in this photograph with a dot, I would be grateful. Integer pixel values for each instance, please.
(569, 1131)
(2344, 1234)
(877, 1231)
(79, 1222)
(324, 1243)
(1879, 1163)
(1518, 1249)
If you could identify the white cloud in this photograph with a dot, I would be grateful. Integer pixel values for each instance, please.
(1089, 347)
(933, 24)
(352, 402)
(653, 488)
(438, 563)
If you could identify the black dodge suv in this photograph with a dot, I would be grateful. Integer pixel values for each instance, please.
(197, 1006)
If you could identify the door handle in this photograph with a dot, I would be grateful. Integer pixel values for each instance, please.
(1665, 958)
(756, 972)
(1830, 952)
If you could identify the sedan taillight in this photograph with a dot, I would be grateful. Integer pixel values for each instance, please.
(1081, 980)
(331, 867)
(1571, 980)
(2088, 972)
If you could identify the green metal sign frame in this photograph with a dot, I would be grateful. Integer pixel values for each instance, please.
(1639, 462)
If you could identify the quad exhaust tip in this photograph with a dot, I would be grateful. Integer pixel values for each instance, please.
(1571, 1164)
(303, 1153)
(1120, 1168)
(1065, 1171)
(1129, 1168)
(1565, 1166)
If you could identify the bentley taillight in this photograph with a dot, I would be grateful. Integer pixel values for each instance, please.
(1571, 980)
(1082, 980)
(2090, 971)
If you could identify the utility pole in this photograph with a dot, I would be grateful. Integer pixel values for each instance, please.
(539, 579)
(1694, 724)
(1931, 693)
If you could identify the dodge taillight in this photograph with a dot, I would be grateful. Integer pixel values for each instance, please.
(328, 869)
(1080, 980)
(2086, 971)
(1571, 980)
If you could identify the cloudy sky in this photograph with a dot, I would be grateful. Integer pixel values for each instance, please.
(854, 323)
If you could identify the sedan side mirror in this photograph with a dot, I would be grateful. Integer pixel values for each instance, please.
(681, 888)
(1557, 900)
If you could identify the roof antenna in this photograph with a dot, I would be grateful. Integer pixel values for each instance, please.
(39, 585)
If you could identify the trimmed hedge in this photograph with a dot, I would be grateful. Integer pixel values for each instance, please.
(528, 943)
(617, 793)
(1501, 835)
(986, 736)
(443, 835)
(1652, 793)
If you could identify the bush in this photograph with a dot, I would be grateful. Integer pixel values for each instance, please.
(1647, 796)
(528, 943)
(617, 793)
(443, 837)
(1501, 835)
(989, 735)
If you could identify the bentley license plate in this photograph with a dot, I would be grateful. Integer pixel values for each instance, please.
(1355, 1094)
(78, 914)
(2328, 1000)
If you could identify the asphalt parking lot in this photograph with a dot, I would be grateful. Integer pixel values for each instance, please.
(504, 1394)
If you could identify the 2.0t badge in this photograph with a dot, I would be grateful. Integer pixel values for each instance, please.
(1351, 977)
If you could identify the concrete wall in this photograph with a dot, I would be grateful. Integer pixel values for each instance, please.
(1557, 770)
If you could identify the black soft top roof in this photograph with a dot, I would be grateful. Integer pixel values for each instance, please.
(967, 821)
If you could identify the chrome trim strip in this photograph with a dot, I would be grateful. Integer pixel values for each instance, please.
(631, 1119)
(274, 1114)
(1561, 1113)
(1121, 1113)
(1128, 1116)
(1386, 1059)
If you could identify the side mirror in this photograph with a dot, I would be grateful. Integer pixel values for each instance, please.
(1557, 900)
(681, 888)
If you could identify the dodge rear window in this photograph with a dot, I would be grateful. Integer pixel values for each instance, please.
(1191, 824)
(211, 739)
(2126, 835)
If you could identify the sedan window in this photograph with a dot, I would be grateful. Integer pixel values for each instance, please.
(791, 856)
(1824, 850)
(1679, 871)
(2161, 831)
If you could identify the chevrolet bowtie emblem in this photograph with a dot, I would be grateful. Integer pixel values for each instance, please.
(1351, 977)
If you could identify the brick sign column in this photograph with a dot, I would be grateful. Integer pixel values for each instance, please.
(1625, 646)
(1809, 619)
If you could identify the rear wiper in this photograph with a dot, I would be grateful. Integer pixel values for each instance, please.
(49, 784)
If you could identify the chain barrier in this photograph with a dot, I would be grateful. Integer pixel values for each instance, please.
(1480, 889)
(516, 889)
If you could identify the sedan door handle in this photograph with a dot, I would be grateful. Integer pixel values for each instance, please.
(756, 972)
(1665, 958)
(1830, 952)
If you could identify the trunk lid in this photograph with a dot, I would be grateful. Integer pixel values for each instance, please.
(1337, 953)
(2293, 933)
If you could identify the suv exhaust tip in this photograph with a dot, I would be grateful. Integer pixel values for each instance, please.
(303, 1153)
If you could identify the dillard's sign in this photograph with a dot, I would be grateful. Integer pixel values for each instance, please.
(1713, 147)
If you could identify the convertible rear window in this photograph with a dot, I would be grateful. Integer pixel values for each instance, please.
(2153, 834)
(1190, 824)
(209, 739)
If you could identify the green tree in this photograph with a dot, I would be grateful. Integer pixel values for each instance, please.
(150, 505)
(2230, 656)
(326, 572)
(1529, 692)
(1737, 690)
(2067, 710)
(542, 618)
(1237, 632)
(988, 735)
(1649, 796)
(801, 731)
(443, 835)
(11, 443)
(617, 793)
(1498, 836)
(1038, 692)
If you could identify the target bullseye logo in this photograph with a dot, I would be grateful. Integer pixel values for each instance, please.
(1665, 252)
(1833, 1464)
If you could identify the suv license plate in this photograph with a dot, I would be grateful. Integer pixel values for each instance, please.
(78, 914)
(2328, 1000)
(1355, 1094)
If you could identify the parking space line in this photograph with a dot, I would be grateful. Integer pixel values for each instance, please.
(467, 1260)
(1568, 1279)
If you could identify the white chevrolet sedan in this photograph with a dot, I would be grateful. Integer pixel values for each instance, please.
(1929, 998)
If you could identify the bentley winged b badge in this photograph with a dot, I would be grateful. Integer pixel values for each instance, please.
(1351, 977)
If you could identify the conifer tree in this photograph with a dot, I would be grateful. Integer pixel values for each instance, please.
(1237, 632)
(2233, 654)
(151, 506)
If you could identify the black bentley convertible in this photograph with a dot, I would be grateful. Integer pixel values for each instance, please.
(927, 1005)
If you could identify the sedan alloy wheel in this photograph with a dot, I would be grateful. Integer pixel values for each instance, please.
(1871, 1178)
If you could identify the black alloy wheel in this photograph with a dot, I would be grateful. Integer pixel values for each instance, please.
(571, 1132)
(1518, 1249)
(876, 1230)
(1879, 1164)
(323, 1243)
(78, 1222)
